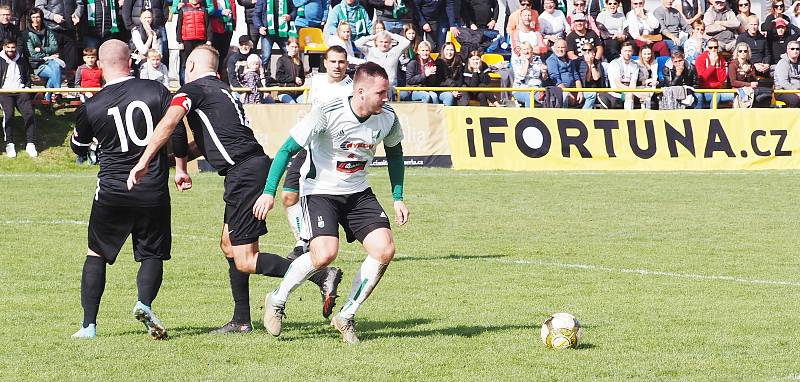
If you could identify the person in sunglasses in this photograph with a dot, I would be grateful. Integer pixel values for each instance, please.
(787, 75)
(613, 24)
(514, 17)
(712, 73)
(579, 6)
(743, 77)
(579, 36)
(722, 24)
(744, 15)
(776, 12)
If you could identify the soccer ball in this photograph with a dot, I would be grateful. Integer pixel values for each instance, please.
(561, 331)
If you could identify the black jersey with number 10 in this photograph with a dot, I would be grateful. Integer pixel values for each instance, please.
(122, 117)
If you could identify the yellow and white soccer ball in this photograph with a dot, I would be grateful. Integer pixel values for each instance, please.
(561, 331)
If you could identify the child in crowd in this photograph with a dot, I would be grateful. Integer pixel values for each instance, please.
(154, 69)
(252, 78)
(89, 74)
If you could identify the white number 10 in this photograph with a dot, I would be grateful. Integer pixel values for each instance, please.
(128, 125)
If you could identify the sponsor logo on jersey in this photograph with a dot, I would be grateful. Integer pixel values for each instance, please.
(351, 167)
(347, 145)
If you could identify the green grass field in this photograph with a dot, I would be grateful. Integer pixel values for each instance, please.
(675, 276)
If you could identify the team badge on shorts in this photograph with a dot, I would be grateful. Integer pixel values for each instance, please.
(320, 222)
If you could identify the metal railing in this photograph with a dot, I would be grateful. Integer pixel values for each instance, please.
(305, 90)
(714, 92)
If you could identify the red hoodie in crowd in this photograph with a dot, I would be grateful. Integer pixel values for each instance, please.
(711, 76)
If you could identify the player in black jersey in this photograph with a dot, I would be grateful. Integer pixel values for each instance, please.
(121, 117)
(224, 138)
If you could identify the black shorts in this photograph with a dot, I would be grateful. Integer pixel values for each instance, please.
(109, 227)
(292, 181)
(244, 183)
(359, 214)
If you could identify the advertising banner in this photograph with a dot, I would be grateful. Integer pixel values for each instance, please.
(425, 133)
(650, 140)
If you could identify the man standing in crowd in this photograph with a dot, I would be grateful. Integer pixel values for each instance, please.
(62, 17)
(356, 16)
(121, 117)
(103, 22)
(336, 191)
(224, 138)
(131, 9)
(222, 22)
(787, 75)
(15, 73)
(394, 13)
(273, 18)
(252, 31)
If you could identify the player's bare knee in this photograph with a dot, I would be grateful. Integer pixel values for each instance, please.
(386, 255)
(245, 265)
(226, 248)
(289, 198)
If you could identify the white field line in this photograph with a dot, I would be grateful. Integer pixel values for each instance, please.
(586, 267)
(645, 272)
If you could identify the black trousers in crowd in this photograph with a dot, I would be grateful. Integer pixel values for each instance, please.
(68, 48)
(791, 100)
(222, 43)
(23, 103)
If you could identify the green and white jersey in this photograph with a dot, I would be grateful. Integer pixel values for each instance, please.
(323, 91)
(340, 147)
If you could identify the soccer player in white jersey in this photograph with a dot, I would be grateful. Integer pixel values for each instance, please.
(324, 87)
(341, 136)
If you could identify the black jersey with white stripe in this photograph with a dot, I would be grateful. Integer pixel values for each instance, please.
(122, 117)
(218, 122)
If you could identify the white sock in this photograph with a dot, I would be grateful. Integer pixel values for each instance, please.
(295, 216)
(364, 283)
(300, 270)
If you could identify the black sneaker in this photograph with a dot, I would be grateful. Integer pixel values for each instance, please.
(234, 327)
(295, 253)
(328, 281)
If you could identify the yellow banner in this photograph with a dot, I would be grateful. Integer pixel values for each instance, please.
(567, 139)
(424, 130)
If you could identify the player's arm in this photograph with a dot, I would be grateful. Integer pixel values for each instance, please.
(276, 170)
(396, 166)
(82, 136)
(313, 123)
(161, 135)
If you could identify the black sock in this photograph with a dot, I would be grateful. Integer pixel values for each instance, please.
(93, 282)
(148, 280)
(240, 289)
(270, 264)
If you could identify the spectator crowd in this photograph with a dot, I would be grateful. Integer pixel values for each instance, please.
(678, 46)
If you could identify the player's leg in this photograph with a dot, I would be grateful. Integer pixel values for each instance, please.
(290, 197)
(108, 229)
(152, 243)
(367, 222)
(324, 246)
(240, 291)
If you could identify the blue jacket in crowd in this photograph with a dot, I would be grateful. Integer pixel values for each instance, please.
(311, 13)
(562, 71)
